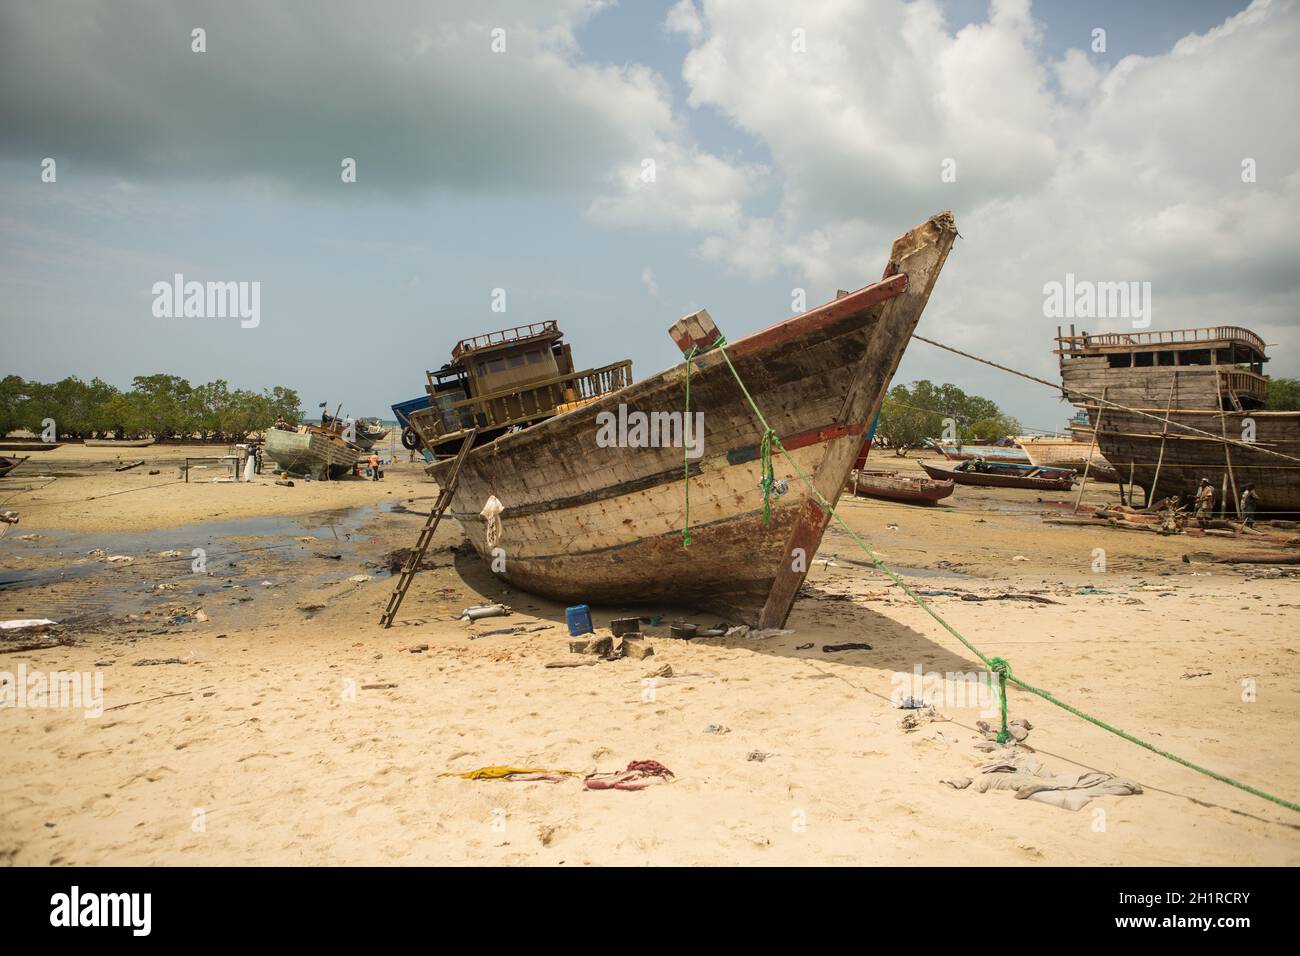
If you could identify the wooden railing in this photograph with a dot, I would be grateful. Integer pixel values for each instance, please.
(503, 336)
(524, 403)
(1205, 336)
(1243, 384)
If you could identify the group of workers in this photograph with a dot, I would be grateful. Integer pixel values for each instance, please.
(1249, 504)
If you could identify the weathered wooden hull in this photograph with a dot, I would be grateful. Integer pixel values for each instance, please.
(310, 453)
(1127, 439)
(895, 487)
(603, 525)
(9, 464)
(115, 443)
(1003, 453)
(29, 446)
(985, 480)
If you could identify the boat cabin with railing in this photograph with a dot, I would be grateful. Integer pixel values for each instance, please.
(507, 378)
(1216, 367)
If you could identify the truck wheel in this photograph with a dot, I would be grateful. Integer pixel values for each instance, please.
(410, 439)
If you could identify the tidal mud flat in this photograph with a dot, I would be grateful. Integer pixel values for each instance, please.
(283, 725)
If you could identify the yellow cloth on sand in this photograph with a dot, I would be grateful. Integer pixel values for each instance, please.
(497, 773)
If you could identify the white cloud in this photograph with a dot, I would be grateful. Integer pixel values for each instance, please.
(684, 18)
(1127, 173)
(413, 91)
(648, 280)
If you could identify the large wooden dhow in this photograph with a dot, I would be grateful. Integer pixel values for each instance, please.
(1209, 384)
(587, 521)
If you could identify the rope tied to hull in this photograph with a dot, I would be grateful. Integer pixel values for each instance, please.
(767, 481)
(696, 351)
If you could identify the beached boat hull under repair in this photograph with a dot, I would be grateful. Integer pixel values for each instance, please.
(584, 522)
(309, 452)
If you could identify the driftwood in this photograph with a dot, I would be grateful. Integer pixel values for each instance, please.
(129, 465)
(1244, 557)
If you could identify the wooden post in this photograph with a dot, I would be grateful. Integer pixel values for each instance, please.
(1164, 434)
(1101, 411)
(1227, 454)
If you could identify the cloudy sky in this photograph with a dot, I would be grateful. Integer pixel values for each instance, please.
(790, 143)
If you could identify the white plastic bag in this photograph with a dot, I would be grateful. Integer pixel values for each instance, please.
(491, 514)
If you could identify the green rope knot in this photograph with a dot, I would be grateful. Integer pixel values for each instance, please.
(1002, 668)
(767, 481)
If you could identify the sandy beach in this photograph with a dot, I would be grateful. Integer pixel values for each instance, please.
(282, 725)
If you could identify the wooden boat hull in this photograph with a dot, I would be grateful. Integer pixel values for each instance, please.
(603, 525)
(1129, 438)
(9, 464)
(29, 447)
(1003, 453)
(310, 452)
(114, 443)
(895, 487)
(984, 480)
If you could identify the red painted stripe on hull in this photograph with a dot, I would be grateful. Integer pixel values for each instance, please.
(791, 329)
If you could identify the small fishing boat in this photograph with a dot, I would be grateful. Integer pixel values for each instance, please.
(595, 506)
(310, 450)
(116, 443)
(1012, 454)
(9, 464)
(1069, 453)
(30, 446)
(895, 487)
(968, 473)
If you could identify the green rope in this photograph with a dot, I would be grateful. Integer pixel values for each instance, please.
(686, 451)
(768, 480)
(996, 665)
(1003, 670)
(695, 351)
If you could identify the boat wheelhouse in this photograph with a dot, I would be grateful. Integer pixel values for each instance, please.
(510, 378)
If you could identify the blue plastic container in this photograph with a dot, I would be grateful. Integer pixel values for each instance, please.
(579, 618)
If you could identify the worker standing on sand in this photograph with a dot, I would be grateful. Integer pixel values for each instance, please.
(1204, 502)
(374, 466)
(1249, 505)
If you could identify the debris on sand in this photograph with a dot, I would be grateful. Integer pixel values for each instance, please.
(638, 775)
(1021, 772)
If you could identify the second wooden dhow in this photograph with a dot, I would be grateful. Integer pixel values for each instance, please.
(588, 521)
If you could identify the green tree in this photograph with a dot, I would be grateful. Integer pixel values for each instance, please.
(913, 413)
(1283, 395)
(163, 404)
(119, 416)
(13, 396)
(285, 404)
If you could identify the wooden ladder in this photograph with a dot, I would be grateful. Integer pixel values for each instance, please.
(445, 494)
